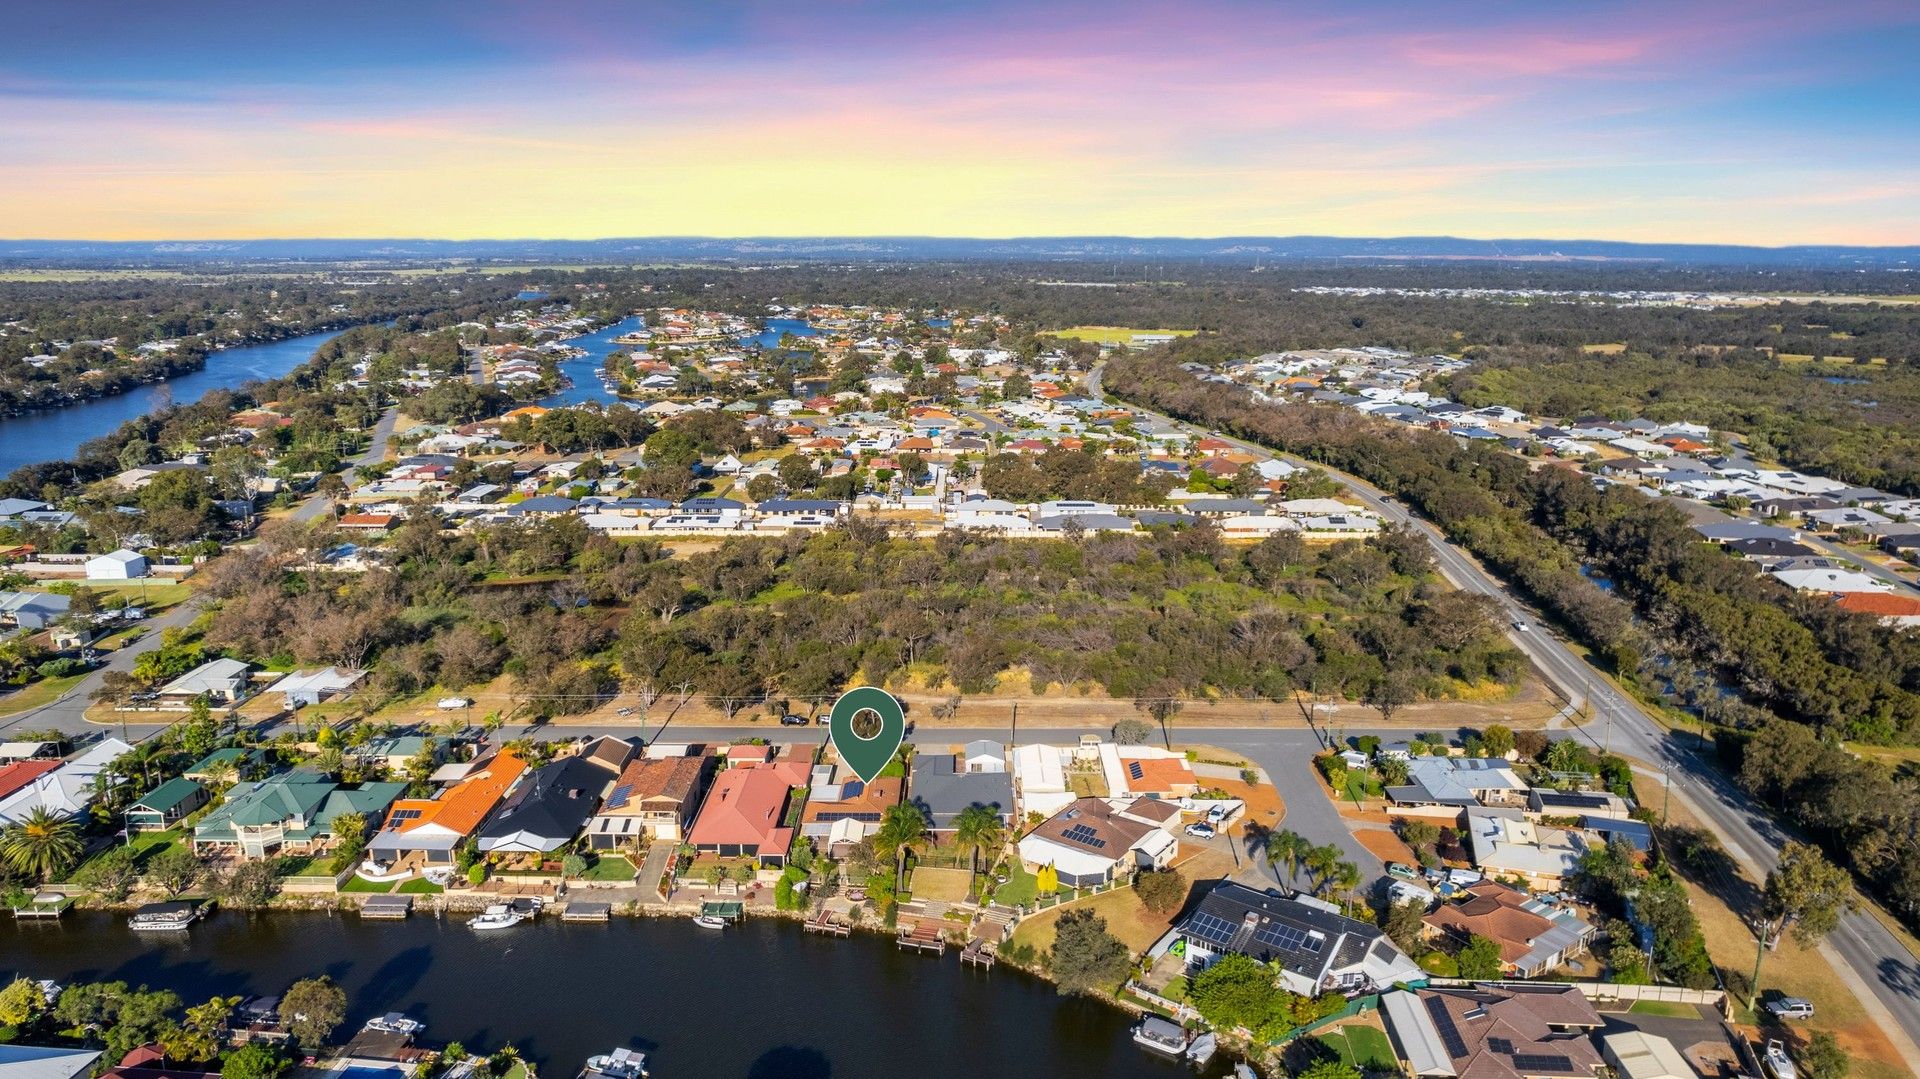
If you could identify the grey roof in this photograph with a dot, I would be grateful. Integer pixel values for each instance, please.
(552, 803)
(1740, 530)
(1310, 943)
(545, 504)
(940, 792)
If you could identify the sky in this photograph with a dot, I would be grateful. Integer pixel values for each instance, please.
(1713, 121)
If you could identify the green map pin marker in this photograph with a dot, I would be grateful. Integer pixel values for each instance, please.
(867, 755)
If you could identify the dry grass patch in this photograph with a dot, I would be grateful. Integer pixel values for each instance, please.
(940, 885)
(1127, 918)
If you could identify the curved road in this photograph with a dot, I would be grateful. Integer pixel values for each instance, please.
(1879, 961)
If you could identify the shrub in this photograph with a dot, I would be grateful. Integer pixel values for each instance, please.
(1162, 891)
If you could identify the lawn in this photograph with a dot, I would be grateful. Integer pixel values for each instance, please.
(1020, 888)
(152, 596)
(1362, 1047)
(1127, 918)
(1664, 1007)
(1110, 335)
(44, 691)
(613, 868)
(146, 846)
(361, 884)
(419, 886)
(940, 885)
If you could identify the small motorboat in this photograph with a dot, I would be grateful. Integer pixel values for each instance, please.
(155, 917)
(396, 1023)
(1779, 1064)
(619, 1064)
(708, 921)
(1243, 1070)
(498, 916)
(1201, 1049)
(1161, 1036)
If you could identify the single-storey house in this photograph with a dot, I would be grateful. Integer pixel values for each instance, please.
(302, 688)
(428, 829)
(220, 681)
(1506, 844)
(121, 565)
(940, 789)
(1094, 840)
(547, 808)
(166, 805)
(1534, 936)
(1520, 1032)
(1317, 949)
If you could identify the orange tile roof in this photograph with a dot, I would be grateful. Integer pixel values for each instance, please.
(745, 807)
(1163, 775)
(462, 807)
(16, 776)
(1883, 604)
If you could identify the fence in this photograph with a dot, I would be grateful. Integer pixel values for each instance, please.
(1610, 992)
(1356, 1006)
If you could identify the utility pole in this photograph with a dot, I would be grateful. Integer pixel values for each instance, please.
(1013, 735)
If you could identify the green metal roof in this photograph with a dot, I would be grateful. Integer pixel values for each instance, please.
(168, 795)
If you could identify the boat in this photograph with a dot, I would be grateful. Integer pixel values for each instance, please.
(708, 921)
(1161, 1036)
(396, 1023)
(1201, 1049)
(158, 917)
(619, 1064)
(1243, 1070)
(1779, 1064)
(498, 916)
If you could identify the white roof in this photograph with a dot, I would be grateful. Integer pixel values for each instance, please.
(1635, 1054)
(123, 556)
(41, 1062)
(67, 789)
(329, 680)
(206, 676)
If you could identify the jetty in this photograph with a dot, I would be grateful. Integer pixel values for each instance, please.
(976, 953)
(925, 936)
(581, 911)
(727, 910)
(387, 907)
(825, 923)
(48, 905)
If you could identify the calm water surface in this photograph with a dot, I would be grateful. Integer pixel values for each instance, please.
(56, 434)
(585, 370)
(763, 1001)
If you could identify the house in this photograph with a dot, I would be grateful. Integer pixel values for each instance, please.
(65, 790)
(1892, 610)
(842, 809)
(1515, 1032)
(1156, 773)
(1534, 936)
(1095, 840)
(1636, 1054)
(653, 800)
(165, 805)
(312, 687)
(744, 815)
(150, 1062)
(1040, 777)
(32, 610)
(983, 755)
(1316, 949)
(220, 681)
(547, 807)
(121, 565)
(396, 752)
(1458, 781)
(1505, 843)
(1825, 578)
(287, 813)
(430, 828)
(941, 790)
(17, 774)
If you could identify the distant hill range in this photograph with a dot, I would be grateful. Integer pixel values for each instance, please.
(1249, 249)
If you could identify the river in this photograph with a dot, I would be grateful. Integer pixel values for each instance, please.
(56, 434)
(584, 371)
(760, 1001)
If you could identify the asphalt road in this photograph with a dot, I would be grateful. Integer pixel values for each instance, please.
(1887, 969)
(376, 451)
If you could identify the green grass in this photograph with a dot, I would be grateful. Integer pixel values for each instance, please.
(1664, 1007)
(146, 846)
(361, 884)
(612, 868)
(1110, 335)
(44, 691)
(419, 886)
(1020, 888)
(152, 596)
(1361, 1047)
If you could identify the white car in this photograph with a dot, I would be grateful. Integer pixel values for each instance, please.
(449, 704)
(1200, 830)
(1791, 1008)
(1521, 627)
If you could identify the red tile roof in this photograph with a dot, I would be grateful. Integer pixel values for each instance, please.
(1881, 604)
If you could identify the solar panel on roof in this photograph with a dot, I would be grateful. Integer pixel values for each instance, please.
(1541, 1063)
(1085, 835)
(1134, 770)
(1211, 928)
(620, 796)
(1443, 1025)
(1282, 935)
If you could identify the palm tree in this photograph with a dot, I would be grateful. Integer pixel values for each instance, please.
(975, 829)
(1320, 862)
(900, 825)
(1287, 847)
(41, 844)
(1346, 878)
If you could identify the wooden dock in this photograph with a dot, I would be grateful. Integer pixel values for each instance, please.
(580, 911)
(823, 922)
(49, 905)
(388, 907)
(977, 954)
(925, 936)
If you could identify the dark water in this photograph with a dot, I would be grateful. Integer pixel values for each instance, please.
(57, 433)
(762, 1001)
(585, 370)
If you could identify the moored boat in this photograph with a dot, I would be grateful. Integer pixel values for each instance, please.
(708, 921)
(396, 1023)
(1779, 1064)
(1161, 1036)
(1201, 1049)
(619, 1064)
(156, 917)
(498, 916)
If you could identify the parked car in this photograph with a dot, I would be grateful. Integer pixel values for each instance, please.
(1218, 813)
(1404, 872)
(450, 704)
(792, 719)
(1791, 1008)
(1200, 830)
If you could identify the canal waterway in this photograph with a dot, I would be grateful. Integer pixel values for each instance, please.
(760, 1001)
(56, 434)
(584, 371)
